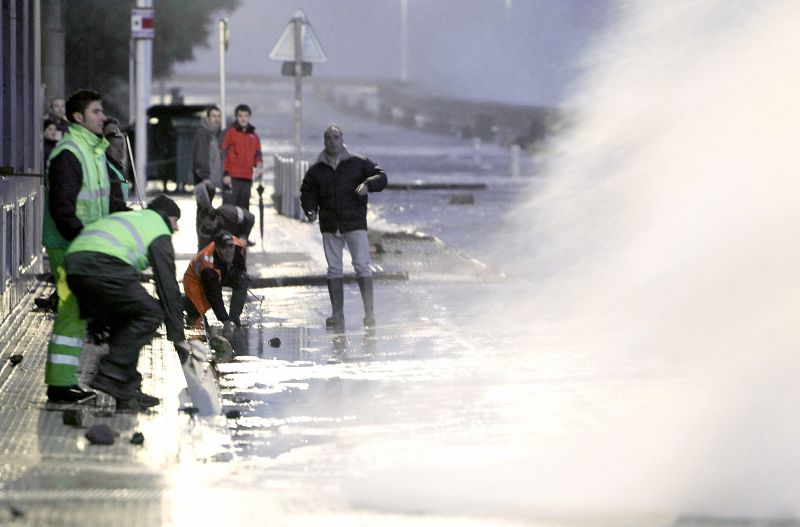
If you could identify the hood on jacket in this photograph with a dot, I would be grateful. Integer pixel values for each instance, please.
(210, 127)
(247, 130)
(323, 156)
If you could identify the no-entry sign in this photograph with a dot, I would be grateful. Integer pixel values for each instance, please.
(143, 22)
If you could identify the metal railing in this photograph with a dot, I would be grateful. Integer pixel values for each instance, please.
(288, 176)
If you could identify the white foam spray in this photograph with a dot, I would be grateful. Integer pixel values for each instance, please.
(665, 229)
(663, 249)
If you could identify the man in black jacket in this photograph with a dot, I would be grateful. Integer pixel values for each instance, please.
(336, 188)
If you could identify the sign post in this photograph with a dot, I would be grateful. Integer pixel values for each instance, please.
(223, 47)
(298, 47)
(142, 34)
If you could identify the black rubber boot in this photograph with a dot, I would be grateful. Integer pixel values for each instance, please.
(365, 285)
(336, 292)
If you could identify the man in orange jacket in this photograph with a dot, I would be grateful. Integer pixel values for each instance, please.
(241, 159)
(220, 263)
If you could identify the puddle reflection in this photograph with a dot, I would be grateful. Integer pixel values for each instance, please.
(302, 343)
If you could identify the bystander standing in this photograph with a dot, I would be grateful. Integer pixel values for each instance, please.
(242, 159)
(335, 188)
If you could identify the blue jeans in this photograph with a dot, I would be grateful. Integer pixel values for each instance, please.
(358, 245)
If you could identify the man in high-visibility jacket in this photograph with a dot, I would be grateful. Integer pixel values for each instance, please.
(103, 265)
(116, 157)
(220, 263)
(77, 192)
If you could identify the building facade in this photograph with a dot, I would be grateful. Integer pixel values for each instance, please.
(21, 169)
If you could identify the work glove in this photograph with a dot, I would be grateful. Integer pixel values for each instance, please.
(311, 216)
(228, 327)
(184, 349)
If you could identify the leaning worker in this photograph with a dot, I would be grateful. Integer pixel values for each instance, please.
(220, 263)
(211, 221)
(103, 265)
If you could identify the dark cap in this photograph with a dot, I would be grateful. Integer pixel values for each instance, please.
(165, 205)
(224, 239)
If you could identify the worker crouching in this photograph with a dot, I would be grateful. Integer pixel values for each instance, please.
(103, 265)
(220, 263)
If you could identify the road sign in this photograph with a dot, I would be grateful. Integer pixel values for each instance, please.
(143, 23)
(309, 43)
(287, 69)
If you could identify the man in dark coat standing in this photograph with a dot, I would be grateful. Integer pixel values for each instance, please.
(206, 153)
(335, 188)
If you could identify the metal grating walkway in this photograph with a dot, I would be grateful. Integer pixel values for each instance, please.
(49, 472)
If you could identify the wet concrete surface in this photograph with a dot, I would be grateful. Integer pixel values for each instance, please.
(431, 419)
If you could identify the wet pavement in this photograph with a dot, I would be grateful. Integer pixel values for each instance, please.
(447, 413)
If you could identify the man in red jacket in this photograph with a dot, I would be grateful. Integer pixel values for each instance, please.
(241, 159)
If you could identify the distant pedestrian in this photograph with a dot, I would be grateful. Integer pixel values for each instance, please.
(242, 159)
(115, 155)
(207, 164)
(212, 220)
(223, 262)
(335, 188)
(77, 192)
(51, 137)
(57, 112)
(103, 265)
(206, 153)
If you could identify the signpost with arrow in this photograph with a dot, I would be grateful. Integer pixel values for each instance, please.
(298, 47)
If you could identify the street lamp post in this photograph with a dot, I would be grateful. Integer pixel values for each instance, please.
(404, 40)
(298, 20)
(223, 47)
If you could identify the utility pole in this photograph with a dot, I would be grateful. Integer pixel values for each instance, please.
(52, 21)
(298, 47)
(142, 31)
(403, 40)
(223, 47)
(298, 20)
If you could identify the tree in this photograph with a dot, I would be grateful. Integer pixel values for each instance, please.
(98, 33)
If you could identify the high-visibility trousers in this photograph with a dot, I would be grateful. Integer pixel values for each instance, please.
(66, 341)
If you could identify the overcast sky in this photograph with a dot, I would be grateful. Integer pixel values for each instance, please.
(520, 51)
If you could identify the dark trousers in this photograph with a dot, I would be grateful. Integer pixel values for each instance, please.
(130, 312)
(239, 194)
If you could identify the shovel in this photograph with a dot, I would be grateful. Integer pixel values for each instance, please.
(200, 383)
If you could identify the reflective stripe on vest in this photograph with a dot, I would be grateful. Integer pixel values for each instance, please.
(66, 341)
(92, 202)
(202, 260)
(58, 358)
(124, 235)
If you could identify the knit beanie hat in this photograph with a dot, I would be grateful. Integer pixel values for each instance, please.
(165, 205)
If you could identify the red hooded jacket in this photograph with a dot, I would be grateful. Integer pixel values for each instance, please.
(241, 151)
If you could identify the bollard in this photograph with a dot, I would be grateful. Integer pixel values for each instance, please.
(514, 152)
(476, 151)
